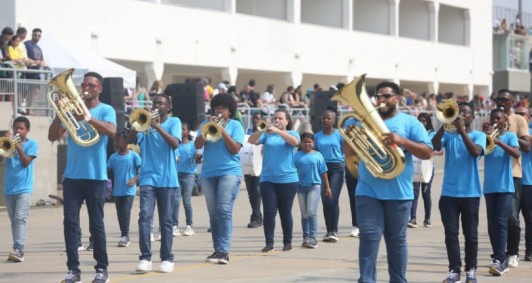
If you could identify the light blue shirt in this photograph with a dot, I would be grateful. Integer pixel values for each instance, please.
(217, 160)
(310, 166)
(461, 178)
(526, 163)
(125, 168)
(401, 187)
(498, 176)
(278, 164)
(19, 179)
(89, 163)
(330, 146)
(187, 158)
(159, 167)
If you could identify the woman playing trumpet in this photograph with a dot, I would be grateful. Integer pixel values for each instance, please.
(499, 186)
(221, 173)
(279, 180)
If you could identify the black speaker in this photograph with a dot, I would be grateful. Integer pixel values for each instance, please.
(113, 93)
(187, 102)
(319, 102)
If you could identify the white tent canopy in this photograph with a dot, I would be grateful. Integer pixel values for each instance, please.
(61, 55)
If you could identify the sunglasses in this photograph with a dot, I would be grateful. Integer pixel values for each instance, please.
(89, 85)
(521, 113)
(502, 99)
(385, 95)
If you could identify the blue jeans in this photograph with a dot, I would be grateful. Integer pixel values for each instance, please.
(186, 183)
(278, 197)
(351, 185)
(165, 198)
(309, 198)
(175, 209)
(425, 193)
(331, 209)
(253, 188)
(498, 208)
(123, 212)
(453, 210)
(527, 213)
(220, 195)
(514, 228)
(93, 192)
(377, 218)
(18, 207)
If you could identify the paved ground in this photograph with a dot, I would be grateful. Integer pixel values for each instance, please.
(45, 256)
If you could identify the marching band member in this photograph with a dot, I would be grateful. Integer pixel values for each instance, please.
(383, 206)
(329, 144)
(253, 184)
(85, 179)
(519, 126)
(279, 179)
(461, 191)
(221, 174)
(158, 182)
(499, 187)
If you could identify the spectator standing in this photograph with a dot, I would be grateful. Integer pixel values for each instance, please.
(35, 53)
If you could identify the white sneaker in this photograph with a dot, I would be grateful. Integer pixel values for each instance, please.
(151, 237)
(143, 266)
(175, 232)
(159, 237)
(355, 232)
(166, 267)
(81, 248)
(513, 261)
(189, 231)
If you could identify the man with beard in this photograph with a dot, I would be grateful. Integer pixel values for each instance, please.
(519, 126)
(383, 205)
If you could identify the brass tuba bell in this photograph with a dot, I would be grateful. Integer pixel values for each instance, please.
(67, 105)
(212, 131)
(140, 119)
(366, 139)
(7, 146)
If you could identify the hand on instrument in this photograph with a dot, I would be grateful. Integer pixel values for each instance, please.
(390, 139)
(459, 125)
(487, 128)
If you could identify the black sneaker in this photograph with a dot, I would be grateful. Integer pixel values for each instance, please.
(213, 258)
(528, 256)
(287, 247)
(223, 258)
(412, 223)
(101, 276)
(471, 276)
(333, 237)
(426, 223)
(90, 246)
(498, 268)
(268, 248)
(17, 255)
(313, 243)
(254, 224)
(72, 277)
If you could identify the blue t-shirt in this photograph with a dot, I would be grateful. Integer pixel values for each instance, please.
(498, 167)
(124, 168)
(526, 163)
(89, 163)
(330, 146)
(401, 187)
(278, 164)
(461, 178)
(217, 160)
(309, 166)
(19, 179)
(159, 167)
(187, 158)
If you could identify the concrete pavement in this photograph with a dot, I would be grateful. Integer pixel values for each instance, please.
(46, 259)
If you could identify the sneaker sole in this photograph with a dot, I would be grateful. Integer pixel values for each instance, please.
(212, 260)
(223, 261)
(189, 234)
(14, 259)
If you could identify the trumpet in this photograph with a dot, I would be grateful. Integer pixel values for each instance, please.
(212, 131)
(447, 112)
(262, 125)
(7, 146)
(490, 137)
(140, 119)
(67, 105)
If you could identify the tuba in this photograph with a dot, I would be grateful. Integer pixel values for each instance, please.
(212, 131)
(67, 105)
(140, 119)
(366, 139)
(7, 146)
(447, 112)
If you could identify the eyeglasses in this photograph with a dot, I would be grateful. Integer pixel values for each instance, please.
(385, 95)
(502, 99)
(521, 113)
(89, 85)
(36, 35)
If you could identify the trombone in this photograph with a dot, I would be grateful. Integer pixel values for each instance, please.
(7, 146)
(212, 131)
(140, 119)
